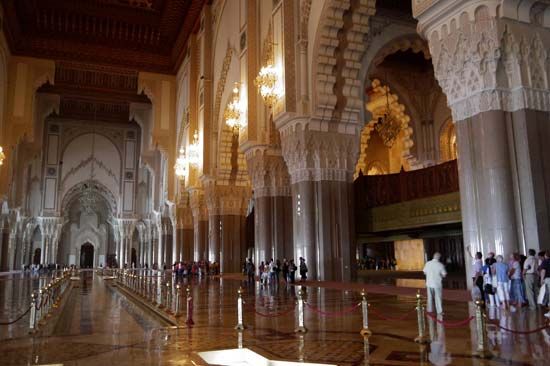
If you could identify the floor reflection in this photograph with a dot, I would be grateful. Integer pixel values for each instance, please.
(101, 326)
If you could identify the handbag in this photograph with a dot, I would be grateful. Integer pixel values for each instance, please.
(489, 289)
(541, 299)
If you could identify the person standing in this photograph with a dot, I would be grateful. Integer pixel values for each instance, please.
(435, 272)
(292, 271)
(501, 272)
(545, 276)
(516, 285)
(285, 270)
(477, 274)
(250, 269)
(530, 276)
(303, 269)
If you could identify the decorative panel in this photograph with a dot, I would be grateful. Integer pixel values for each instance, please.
(50, 194)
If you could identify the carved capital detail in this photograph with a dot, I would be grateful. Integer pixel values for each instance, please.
(227, 199)
(489, 59)
(268, 172)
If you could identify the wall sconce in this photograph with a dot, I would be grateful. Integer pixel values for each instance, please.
(193, 151)
(181, 166)
(268, 85)
(233, 112)
(2, 155)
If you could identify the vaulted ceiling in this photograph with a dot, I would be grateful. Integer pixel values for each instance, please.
(148, 35)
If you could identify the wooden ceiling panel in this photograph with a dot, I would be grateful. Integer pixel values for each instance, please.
(148, 35)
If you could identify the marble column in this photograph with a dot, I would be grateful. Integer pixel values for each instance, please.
(492, 67)
(262, 230)
(214, 223)
(321, 165)
(233, 243)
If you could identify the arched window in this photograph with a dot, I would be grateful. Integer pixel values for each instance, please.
(447, 142)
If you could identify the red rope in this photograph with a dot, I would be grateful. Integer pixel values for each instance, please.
(522, 331)
(383, 317)
(447, 324)
(333, 313)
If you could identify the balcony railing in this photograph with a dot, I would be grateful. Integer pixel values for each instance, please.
(381, 190)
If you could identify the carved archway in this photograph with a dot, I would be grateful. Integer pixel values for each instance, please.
(447, 142)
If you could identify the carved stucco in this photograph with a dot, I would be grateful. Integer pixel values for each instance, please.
(484, 61)
(268, 172)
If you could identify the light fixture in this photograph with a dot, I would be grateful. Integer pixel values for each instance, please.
(232, 113)
(268, 85)
(2, 155)
(388, 126)
(181, 165)
(193, 150)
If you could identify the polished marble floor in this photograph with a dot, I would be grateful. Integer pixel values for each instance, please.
(98, 325)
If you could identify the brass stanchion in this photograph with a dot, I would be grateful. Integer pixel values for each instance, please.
(422, 338)
(481, 329)
(177, 313)
(168, 307)
(301, 327)
(189, 320)
(366, 351)
(365, 332)
(240, 325)
(32, 318)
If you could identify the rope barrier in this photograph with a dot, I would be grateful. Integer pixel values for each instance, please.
(448, 324)
(18, 318)
(333, 313)
(522, 331)
(383, 317)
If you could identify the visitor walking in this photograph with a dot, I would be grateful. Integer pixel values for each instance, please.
(530, 276)
(435, 272)
(516, 284)
(292, 271)
(545, 277)
(303, 269)
(285, 270)
(477, 275)
(250, 269)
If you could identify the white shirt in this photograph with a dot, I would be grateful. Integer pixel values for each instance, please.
(530, 265)
(477, 267)
(434, 271)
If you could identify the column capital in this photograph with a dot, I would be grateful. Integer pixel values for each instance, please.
(488, 54)
(227, 199)
(268, 172)
(198, 204)
(319, 150)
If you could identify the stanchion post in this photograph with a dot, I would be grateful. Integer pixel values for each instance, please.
(40, 302)
(365, 332)
(168, 307)
(32, 318)
(189, 320)
(422, 338)
(481, 329)
(240, 325)
(177, 312)
(301, 327)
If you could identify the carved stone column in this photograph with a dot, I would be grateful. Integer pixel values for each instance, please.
(185, 230)
(321, 165)
(200, 224)
(272, 204)
(491, 60)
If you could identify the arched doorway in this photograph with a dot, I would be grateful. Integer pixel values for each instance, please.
(36, 256)
(134, 257)
(86, 255)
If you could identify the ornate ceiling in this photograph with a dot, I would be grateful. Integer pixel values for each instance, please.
(148, 35)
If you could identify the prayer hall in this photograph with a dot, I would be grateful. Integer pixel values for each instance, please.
(274, 182)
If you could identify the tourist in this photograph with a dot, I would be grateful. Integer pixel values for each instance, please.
(303, 269)
(488, 287)
(530, 276)
(277, 270)
(292, 271)
(501, 273)
(250, 269)
(285, 270)
(435, 272)
(545, 277)
(477, 274)
(516, 284)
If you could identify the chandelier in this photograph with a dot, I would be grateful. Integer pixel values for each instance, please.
(193, 151)
(388, 127)
(2, 155)
(181, 165)
(87, 198)
(232, 113)
(267, 82)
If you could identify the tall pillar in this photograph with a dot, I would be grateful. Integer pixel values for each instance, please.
(185, 231)
(492, 66)
(200, 225)
(321, 166)
(272, 204)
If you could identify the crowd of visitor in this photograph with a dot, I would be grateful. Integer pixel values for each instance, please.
(377, 263)
(512, 283)
(271, 271)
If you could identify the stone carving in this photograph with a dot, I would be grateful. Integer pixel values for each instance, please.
(339, 48)
(488, 63)
(221, 82)
(97, 163)
(226, 199)
(268, 172)
(313, 155)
